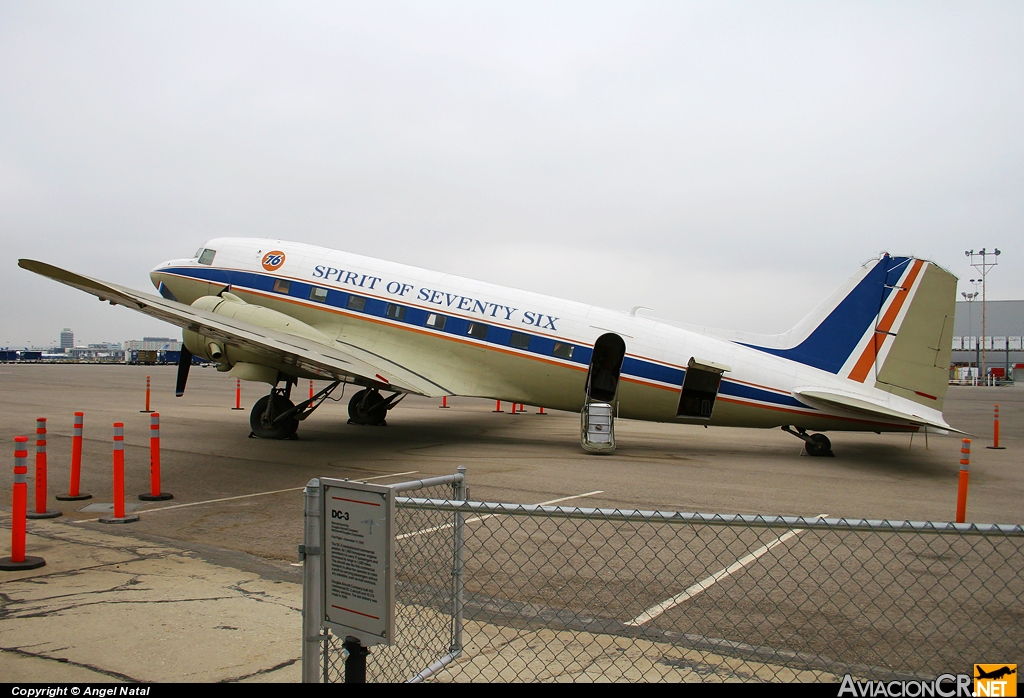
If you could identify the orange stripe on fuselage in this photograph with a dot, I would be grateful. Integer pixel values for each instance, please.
(867, 358)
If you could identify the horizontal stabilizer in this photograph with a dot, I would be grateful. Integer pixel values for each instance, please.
(862, 404)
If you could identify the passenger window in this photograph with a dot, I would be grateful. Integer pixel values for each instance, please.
(477, 330)
(356, 303)
(282, 286)
(318, 294)
(207, 257)
(563, 350)
(396, 312)
(520, 340)
(436, 321)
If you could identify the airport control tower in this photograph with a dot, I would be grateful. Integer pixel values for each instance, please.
(67, 339)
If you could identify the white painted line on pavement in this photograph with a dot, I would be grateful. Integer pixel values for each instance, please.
(487, 516)
(706, 583)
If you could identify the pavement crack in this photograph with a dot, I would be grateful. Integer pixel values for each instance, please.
(109, 602)
(268, 670)
(63, 660)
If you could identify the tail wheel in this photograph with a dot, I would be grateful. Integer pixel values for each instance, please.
(819, 445)
(263, 425)
(367, 407)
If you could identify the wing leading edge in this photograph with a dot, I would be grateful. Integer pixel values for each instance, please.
(327, 360)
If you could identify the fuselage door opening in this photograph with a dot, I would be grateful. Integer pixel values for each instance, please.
(597, 420)
(700, 389)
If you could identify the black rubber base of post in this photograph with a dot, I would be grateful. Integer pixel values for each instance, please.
(996, 448)
(238, 408)
(147, 497)
(29, 563)
(44, 515)
(127, 518)
(72, 498)
(147, 411)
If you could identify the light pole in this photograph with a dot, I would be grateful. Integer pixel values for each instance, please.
(969, 297)
(981, 262)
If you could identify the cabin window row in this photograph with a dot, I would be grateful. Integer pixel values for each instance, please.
(477, 330)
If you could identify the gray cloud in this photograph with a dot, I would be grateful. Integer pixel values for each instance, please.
(726, 164)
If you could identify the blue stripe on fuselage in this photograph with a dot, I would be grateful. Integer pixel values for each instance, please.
(457, 326)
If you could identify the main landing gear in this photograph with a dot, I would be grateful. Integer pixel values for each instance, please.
(369, 408)
(274, 416)
(814, 444)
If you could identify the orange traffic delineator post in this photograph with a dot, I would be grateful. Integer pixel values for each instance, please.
(311, 390)
(18, 560)
(238, 394)
(76, 464)
(497, 407)
(965, 475)
(147, 397)
(444, 402)
(995, 432)
(41, 512)
(154, 494)
(542, 412)
(514, 406)
(119, 515)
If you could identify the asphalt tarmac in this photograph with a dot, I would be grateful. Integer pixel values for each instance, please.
(524, 458)
(238, 501)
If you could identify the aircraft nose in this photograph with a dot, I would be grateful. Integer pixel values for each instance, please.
(156, 274)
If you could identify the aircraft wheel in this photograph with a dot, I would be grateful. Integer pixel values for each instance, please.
(367, 407)
(264, 430)
(818, 446)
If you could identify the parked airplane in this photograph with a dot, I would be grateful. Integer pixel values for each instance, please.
(873, 357)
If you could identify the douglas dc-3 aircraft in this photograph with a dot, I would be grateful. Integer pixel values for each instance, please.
(873, 357)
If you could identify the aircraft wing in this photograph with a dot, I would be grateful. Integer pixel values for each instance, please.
(865, 406)
(337, 360)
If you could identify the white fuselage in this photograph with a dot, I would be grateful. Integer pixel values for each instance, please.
(395, 321)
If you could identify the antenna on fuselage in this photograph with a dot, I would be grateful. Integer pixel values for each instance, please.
(632, 311)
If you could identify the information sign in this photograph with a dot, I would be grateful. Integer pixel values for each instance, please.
(358, 569)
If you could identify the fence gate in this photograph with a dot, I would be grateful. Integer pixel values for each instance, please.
(428, 615)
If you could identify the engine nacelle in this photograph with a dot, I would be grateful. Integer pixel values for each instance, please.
(248, 364)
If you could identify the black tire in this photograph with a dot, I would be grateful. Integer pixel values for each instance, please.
(367, 407)
(819, 445)
(283, 430)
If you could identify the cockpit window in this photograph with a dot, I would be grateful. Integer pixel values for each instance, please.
(207, 257)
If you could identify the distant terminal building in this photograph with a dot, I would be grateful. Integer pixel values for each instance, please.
(153, 344)
(1004, 329)
(102, 352)
(67, 339)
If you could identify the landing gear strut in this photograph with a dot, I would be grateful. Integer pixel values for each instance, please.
(274, 416)
(369, 408)
(814, 444)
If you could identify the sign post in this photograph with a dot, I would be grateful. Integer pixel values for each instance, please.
(358, 553)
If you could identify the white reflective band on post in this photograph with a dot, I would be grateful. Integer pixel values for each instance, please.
(20, 478)
(40, 447)
(78, 430)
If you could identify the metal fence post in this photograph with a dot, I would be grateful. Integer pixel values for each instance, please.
(310, 554)
(460, 491)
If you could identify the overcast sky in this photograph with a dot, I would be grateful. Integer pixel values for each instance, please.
(725, 164)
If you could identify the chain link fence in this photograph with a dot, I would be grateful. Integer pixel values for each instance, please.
(536, 593)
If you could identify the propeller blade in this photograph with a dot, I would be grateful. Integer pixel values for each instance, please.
(184, 363)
